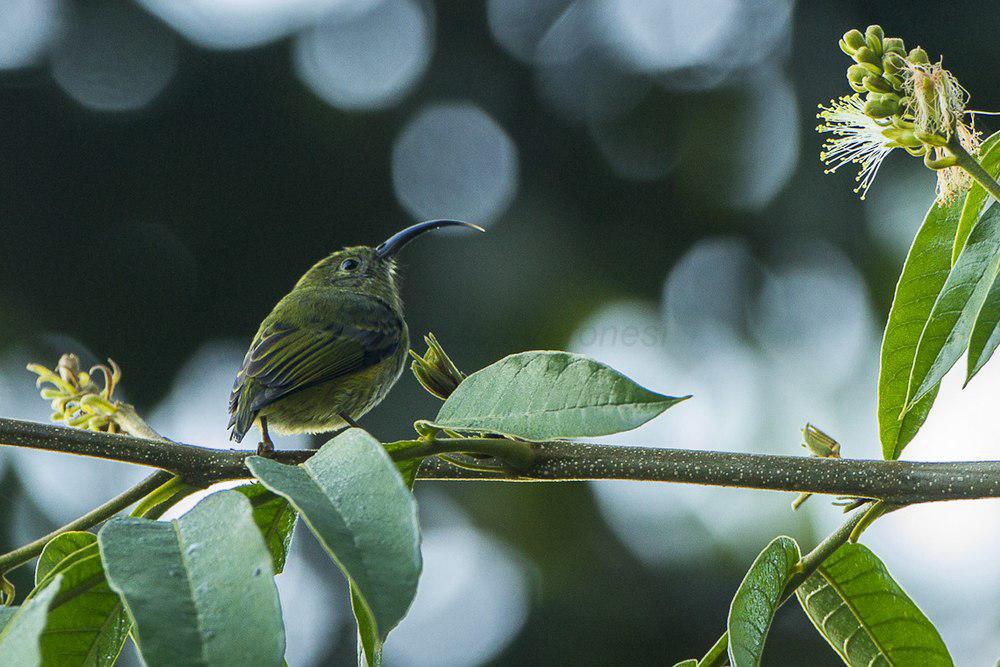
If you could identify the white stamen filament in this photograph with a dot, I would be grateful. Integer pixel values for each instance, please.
(856, 139)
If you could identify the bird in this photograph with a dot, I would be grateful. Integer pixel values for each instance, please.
(332, 348)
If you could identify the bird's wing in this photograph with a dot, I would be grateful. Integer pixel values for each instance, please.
(285, 358)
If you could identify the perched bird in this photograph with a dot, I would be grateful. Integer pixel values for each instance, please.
(332, 348)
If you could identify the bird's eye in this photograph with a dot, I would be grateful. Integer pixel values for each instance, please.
(349, 265)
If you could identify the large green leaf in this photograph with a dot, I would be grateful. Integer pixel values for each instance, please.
(949, 328)
(355, 501)
(275, 518)
(757, 598)
(986, 333)
(87, 623)
(924, 273)
(19, 639)
(989, 158)
(864, 614)
(6, 613)
(200, 587)
(550, 395)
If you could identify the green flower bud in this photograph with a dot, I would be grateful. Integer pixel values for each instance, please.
(881, 106)
(873, 38)
(853, 40)
(876, 84)
(435, 370)
(855, 76)
(893, 63)
(893, 45)
(819, 443)
(904, 137)
(919, 57)
(864, 55)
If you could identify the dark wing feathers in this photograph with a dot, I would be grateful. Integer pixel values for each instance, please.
(285, 358)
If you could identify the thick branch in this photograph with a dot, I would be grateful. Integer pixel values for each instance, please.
(899, 482)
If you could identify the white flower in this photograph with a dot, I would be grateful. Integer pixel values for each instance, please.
(856, 138)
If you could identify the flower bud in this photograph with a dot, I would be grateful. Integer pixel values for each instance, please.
(819, 443)
(881, 106)
(876, 84)
(893, 63)
(435, 370)
(918, 57)
(866, 57)
(873, 38)
(68, 368)
(853, 40)
(856, 75)
(893, 45)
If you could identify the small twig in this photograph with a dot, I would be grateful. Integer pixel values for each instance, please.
(21, 555)
(719, 653)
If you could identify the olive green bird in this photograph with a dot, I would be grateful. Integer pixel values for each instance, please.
(332, 348)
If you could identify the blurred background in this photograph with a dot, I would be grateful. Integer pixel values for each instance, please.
(649, 175)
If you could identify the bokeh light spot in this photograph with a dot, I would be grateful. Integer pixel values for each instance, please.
(27, 28)
(241, 24)
(369, 61)
(114, 58)
(454, 161)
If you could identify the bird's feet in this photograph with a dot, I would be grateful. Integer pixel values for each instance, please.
(265, 447)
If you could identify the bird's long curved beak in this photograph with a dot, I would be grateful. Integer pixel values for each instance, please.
(395, 243)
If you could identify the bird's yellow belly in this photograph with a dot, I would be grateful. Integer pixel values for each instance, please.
(318, 409)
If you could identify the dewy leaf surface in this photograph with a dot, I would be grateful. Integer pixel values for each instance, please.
(866, 617)
(355, 501)
(757, 599)
(200, 587)
(550, 395)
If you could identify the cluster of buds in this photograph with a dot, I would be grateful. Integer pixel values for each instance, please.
(901, 100)
(819, 445)
(435, 370)
(76, 398)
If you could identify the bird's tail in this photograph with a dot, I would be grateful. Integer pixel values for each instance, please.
(242, 415)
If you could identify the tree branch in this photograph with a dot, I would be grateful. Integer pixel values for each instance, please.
(899, 482)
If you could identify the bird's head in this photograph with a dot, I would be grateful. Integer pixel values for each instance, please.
(370, 270)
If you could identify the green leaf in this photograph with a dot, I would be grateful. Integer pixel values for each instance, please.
(924, 273)
(275, 518)
(5, 615)
(200, 587)
(985, 334)
(19, 639)
(948, 330)
(864, 614)
(87, 623)
(989, 158)
(550, 395)
(355, 501)
(757, 598)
